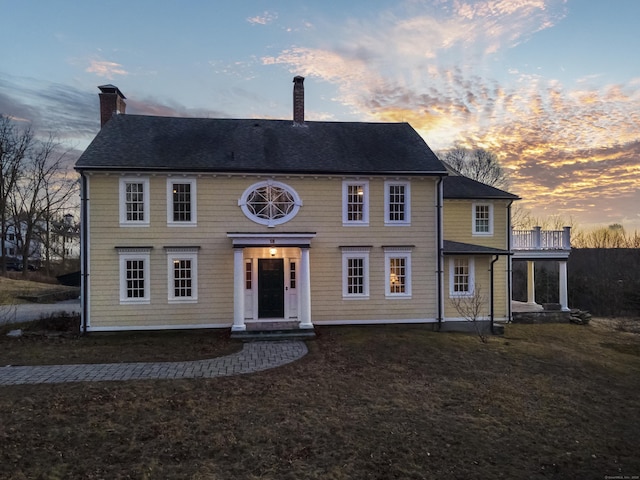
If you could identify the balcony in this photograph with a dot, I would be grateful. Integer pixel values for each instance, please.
(538, 243)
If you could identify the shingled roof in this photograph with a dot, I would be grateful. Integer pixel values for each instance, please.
(151, 143)
(450, 247)
(460, 187)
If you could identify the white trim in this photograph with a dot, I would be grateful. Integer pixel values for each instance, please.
(462, 319)
(270, 222)
(374, 322)
(139, 254)
(145, 202)
(159, 327)
(365, 203)
(177, 254)
(193, 193)
(397, 252)
(407, 203)
(355, 253)
(474, 229)
(471, 263)
(277, 239)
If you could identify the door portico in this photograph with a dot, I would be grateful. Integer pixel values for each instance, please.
(271, 278)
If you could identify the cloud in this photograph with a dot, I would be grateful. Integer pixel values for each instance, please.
(575, 147)
(104, 68)
(264, 19)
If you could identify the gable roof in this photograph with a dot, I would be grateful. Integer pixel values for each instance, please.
(459, 187)
(138, 142)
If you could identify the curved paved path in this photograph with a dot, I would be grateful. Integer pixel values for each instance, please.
(254, 357)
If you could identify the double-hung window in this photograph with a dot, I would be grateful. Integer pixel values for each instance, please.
(461, 276)
(134, 274)
(134, 201)
(397, 266)
(397, 203)
(482, 219)
(182, 269)
(181, 202)
(355, 203)
(355, 272)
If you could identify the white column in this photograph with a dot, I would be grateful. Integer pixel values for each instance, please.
(305, 290)
(238, 291)
(531, 282)
(562, 284)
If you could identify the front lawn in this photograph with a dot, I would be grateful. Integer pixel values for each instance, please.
(544, 401)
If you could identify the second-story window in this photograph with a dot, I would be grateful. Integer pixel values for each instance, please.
(397, 209)
(181, 202)
(355, 203)
(482, 219)
(134, 201)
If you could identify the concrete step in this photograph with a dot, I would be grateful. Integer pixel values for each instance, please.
(271, 335)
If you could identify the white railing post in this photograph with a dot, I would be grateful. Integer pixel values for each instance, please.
(536, 233)
(566, 238)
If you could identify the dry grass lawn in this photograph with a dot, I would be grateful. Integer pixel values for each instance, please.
(544, 401)
(11, 289)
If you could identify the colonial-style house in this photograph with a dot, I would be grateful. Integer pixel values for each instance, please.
(250, 223)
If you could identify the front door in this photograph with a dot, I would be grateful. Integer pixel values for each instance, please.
(270, 288)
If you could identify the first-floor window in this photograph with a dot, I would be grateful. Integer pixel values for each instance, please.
(183, 274)
(134, 275)
(355, 272)
(461, 276)
(397, 272)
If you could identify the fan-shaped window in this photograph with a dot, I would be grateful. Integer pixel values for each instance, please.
(270, 203)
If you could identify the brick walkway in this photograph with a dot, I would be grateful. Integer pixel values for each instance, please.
(254, 357)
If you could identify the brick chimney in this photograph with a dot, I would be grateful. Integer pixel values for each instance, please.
(111, 103)
(298, 100)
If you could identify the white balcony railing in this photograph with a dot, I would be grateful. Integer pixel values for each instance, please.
(538, 239)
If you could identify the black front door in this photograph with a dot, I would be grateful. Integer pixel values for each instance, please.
(270, 288)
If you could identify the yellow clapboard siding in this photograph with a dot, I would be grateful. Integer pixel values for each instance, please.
(218, 214)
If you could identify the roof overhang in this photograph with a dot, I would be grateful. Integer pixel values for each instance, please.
(458, 248)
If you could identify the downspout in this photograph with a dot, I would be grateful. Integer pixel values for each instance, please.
(439, 235)
(491, 307)
(509, 263)
(84, 264)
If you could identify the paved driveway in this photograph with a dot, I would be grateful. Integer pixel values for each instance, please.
(33, 311)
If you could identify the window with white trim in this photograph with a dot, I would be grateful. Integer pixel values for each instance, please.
(134, 275)
(355, 272)
(397, 203)
(397, 267)
(355, 202)
(182, 267)
(270, 203)
(181, 202)
(482, 219)
(461, 276)
(134, 201)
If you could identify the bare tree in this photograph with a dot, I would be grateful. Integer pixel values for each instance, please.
(43, 189)
(613, 236)
(471, 308)
(478, 164)
(14, 148)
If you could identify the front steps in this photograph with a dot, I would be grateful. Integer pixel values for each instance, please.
(274, 330)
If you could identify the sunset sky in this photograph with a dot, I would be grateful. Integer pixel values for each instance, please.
(552, 87)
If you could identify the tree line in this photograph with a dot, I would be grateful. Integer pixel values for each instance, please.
(37, 188)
